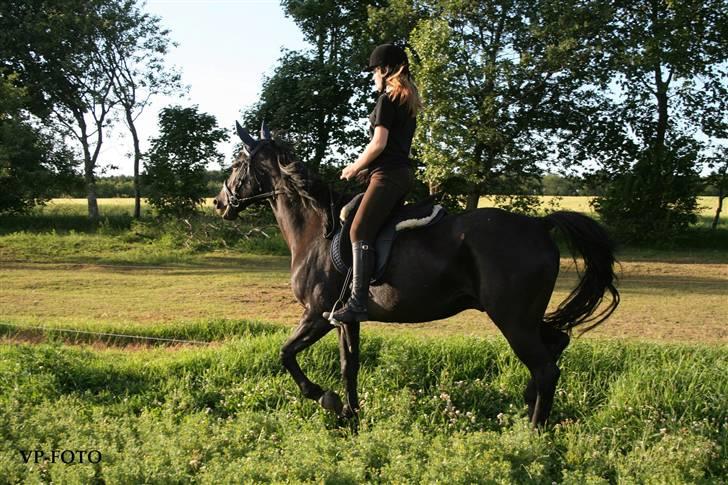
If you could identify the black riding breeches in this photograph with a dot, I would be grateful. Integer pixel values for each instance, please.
(385, 192)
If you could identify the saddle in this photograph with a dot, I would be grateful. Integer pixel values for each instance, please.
(409, 216)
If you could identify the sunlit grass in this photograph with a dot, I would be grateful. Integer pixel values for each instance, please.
(433, 411)
(441, 401)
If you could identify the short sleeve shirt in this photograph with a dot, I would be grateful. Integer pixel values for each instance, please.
(401, 125)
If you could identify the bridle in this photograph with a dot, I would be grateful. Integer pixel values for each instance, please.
(233, 199)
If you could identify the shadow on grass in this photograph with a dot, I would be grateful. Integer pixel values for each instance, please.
(233, 263)
(194, 333)
(41, 222)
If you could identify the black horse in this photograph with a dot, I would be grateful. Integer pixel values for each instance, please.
(498, 262)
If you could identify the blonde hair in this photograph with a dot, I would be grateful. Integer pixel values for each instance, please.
(401, 88)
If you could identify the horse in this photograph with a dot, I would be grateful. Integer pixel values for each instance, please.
(488, 259)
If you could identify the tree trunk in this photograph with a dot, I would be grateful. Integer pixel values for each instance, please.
(93, 205)
(721, 196)
(473, 198)
(88, 176)
(322, 140)
(662, 119)
(137, 158)
(434, 187)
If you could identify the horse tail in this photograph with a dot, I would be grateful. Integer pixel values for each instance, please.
(588, 238)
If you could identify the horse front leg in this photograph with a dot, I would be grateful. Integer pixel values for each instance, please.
(349, 357)
(309, 331)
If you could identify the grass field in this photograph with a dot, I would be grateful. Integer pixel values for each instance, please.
(434, 411)
(643, 399)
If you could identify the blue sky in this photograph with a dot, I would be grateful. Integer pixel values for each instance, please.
(225, 47)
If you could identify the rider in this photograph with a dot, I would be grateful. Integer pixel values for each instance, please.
(386, 161)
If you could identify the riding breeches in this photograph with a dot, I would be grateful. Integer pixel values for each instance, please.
(385, 192)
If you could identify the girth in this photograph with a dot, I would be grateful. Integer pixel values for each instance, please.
(409, 216)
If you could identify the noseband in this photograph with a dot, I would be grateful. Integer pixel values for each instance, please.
(234, 200)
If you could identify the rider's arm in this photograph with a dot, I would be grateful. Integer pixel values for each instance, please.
(374, 148)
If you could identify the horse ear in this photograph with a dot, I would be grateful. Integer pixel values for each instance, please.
(264, 132)
(248, 140)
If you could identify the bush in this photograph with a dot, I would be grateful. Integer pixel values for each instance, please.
(175, 175)
(652, 201)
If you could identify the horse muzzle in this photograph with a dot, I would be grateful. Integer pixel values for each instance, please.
(227, 211)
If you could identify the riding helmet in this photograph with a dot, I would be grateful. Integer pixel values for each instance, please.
(387, 55)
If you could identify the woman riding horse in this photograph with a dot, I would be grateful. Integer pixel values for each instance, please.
(386, 160)
(487, 259)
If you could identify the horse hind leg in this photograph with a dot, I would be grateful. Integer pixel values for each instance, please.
(523, 333)
(555, 341)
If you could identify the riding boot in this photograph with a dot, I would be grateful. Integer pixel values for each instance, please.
(355, 309)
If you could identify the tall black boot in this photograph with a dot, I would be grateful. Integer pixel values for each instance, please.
(355, 309)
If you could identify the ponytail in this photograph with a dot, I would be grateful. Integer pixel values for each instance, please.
(401, 88)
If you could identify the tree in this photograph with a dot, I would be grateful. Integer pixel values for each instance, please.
(57, 48)
(175, 165)
(31, 167)
(317, 97)
(78, 59)
(134, 62)
(496, 77)
(666, 64)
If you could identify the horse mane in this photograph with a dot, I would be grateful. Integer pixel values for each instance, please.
(302, 185)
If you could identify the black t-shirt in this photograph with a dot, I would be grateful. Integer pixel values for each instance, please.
(401, 125)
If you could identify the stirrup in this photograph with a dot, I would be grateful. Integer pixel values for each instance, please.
(330, 315)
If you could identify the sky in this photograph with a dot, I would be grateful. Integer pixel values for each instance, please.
(225, 48)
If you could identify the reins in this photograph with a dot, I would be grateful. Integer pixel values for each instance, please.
(334, 219)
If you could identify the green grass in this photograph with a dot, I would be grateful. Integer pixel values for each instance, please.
(61, 232)
(434, 410)
(437, 406)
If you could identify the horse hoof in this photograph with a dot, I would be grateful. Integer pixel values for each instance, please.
(331, 402)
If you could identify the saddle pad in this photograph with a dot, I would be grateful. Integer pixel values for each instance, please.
(410, 216)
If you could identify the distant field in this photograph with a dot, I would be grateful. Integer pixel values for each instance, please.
(576, 203)
(707, 205)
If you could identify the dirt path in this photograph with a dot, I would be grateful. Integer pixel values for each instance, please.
(682, 302)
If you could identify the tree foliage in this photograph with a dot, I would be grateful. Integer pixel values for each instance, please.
(317, 97)
(174, 169)
(32, 168)
(497, 78)
(650, 133)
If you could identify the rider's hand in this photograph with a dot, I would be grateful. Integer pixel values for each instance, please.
(361, 177)
(350, 171)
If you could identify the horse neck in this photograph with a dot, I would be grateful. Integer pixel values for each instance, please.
(300, 225)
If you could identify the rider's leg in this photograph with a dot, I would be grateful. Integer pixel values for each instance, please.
(386, 191)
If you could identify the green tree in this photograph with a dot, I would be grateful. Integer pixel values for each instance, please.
(174, 169)
(78, 60)
(317, 97)
(498, 79)
(32, 165)
(665, 61)
(134, 61)
(56, 47)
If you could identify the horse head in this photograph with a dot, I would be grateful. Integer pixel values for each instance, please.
(250, 180)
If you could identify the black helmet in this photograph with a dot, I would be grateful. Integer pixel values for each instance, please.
(387, 55)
